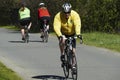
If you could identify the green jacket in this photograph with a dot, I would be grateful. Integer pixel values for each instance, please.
(24, 13)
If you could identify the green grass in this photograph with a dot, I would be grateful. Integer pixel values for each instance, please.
(104, 40)
(10, 27)
(109, 41)
(7, 74)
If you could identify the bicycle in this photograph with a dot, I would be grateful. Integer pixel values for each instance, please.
(26, 40)
(45, 32)
(67, 65)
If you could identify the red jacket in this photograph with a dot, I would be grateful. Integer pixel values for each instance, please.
(43, 12)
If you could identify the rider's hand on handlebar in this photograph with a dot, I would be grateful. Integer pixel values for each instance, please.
(62, 37)
(81, 39)
(79, 36)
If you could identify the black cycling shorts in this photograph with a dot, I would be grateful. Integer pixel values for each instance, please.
(25, 21)
(41, 21)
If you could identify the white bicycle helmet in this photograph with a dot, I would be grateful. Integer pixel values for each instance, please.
(66, 7)
(42, 4)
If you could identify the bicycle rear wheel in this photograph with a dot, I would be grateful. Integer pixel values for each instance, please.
(46, 36)
(26, 37)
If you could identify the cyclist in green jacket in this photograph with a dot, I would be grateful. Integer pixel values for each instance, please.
(25, 19)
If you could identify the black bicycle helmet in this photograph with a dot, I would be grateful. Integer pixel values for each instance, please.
(66, 7)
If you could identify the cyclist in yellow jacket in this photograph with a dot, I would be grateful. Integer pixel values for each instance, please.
(67, 23)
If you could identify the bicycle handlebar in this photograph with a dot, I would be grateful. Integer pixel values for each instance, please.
(72, 37)
(75, 37)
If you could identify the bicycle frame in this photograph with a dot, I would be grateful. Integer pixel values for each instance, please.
(69, 58)
(68, 48)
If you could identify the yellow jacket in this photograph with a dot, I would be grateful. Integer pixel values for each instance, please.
(70, 26)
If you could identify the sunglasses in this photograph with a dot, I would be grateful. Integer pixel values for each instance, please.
(67, 12)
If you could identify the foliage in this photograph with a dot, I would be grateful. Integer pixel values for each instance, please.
(5, 11)
(101, 16)
(96, 15)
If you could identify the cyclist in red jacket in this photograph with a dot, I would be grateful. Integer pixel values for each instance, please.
(43, 13)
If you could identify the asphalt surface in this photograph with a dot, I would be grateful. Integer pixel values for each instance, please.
(40, 61)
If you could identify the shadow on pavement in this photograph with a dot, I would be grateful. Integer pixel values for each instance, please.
(16, 41)
(46, 77)
(23, 42)
(35, 41)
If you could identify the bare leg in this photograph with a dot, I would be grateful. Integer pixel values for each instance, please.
(29, 26)
(47, 27)
(22, 33)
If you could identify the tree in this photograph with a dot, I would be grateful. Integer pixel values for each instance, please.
(5, 11)
(96, 15)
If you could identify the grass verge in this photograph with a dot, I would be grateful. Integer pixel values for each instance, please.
(109, 41)
(104, 40)
(7, 74)
(10, 27)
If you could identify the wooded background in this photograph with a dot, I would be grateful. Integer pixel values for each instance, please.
(96, 15)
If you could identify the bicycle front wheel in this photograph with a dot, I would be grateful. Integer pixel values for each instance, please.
(74, 71)
(66, 66)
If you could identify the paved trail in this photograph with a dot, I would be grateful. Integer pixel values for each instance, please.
(37, 60)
